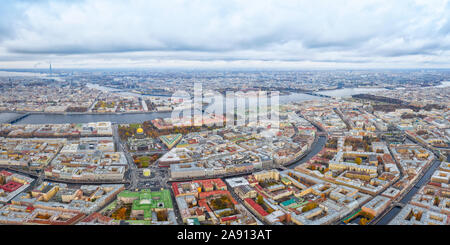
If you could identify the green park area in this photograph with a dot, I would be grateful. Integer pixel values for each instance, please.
(145, 161)
(104, 104)
(143, 203)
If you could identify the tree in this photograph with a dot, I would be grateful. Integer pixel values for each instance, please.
(410, 215)
(369, 216)
(436, 201)
(120, 214)
(380, 160)
(162, 215)
(358, 160)
(363, 221)
(418, 215)
(309, 206)
(260, 200)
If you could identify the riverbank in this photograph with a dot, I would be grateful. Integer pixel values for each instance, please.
(139, 117)
(82, 113)
(119, 117)
(42, 118)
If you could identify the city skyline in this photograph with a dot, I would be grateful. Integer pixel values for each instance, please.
(225, 35)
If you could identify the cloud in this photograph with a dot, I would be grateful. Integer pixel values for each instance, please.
(10, 13)
(339, 32)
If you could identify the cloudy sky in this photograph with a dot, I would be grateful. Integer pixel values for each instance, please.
(225, 34)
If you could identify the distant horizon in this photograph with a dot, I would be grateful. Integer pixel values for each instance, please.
(44, 70)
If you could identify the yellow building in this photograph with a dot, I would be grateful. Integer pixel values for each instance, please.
(267, 175)
(146, 172)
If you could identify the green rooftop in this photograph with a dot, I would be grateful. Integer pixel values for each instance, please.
(147, 199)
(288, 202)
(170, 140)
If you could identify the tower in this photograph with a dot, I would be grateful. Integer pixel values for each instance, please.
(71, 80)
(50, 69)
(11, 84)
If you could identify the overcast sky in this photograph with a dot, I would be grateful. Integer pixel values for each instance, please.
(225, 34)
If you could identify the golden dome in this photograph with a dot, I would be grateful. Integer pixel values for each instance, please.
(139, 131)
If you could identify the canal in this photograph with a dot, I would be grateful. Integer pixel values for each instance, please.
(422, 181)
(316, 148)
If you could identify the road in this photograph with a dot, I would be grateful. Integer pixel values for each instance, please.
(157, 180)
(236, 197)
(40, 179)
(131, 172)
(132, 168)
(349, 124)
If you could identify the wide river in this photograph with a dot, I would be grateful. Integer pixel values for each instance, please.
(121, 118)
(348, 92)
(7, 116)
(138, 118)
(80, 118)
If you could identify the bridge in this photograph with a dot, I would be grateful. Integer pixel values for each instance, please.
(322, 133)
(398, 204)
(18, 118)
(316, 94)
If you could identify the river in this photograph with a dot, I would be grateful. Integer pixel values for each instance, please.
(348, 92)
(443, 84)
(21, 74)
(127, 117)
(86, 118)
(7, 116)
(137, 118)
